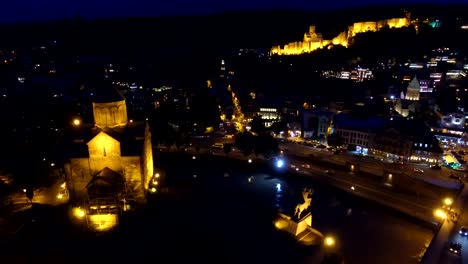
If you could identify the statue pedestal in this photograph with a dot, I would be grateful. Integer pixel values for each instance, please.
(301, 229)
(293, 226)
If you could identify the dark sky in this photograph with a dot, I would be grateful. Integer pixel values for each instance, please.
(42, 10)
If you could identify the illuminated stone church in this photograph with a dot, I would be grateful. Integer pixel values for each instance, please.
(110, 160)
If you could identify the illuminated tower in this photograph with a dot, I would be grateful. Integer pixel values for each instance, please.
(412, 92)
(223, 70)
(109, 107)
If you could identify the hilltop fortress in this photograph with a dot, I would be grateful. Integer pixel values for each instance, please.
(313, 40)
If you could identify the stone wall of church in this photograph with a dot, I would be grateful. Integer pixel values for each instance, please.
(134, 177)
(147, 158)
(78, 176)
(96, 164)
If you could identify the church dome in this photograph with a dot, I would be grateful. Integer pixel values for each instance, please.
(109, 107)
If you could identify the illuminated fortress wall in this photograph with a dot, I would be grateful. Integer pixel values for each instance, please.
(313, 40)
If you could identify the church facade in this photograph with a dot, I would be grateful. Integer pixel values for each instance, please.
(110, 161)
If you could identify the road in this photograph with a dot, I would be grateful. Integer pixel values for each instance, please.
(437, 253)
(419, 208)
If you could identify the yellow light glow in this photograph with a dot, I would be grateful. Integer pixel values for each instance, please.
(313, 40)
(76, 122)
(329, 241)
(153, 190)
(155, 182)
(60, 196)
(102, 222)
(78, 212)
(156, 175)
(448, 201)
(440, 214)
(63, 185)
(281, 224)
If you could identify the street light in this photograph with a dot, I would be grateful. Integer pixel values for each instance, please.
(439, 213)
(76, 122)
(78, 212)
(329, 241)
(448, 201)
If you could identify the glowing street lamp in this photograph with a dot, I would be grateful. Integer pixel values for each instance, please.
(448, 201)
(78, 212)
(439, 213)
(76, 122)
(329, 241)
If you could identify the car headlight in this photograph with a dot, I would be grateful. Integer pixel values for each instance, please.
(460, 232)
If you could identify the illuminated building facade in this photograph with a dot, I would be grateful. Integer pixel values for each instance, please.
(111, 162)
(313, 40)
(389, 138)
(413, 90)
(315, 123)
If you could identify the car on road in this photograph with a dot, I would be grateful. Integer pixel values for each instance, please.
(455, 248)
(436, 167)
(463, 231)
(330, 172)
(418, 170)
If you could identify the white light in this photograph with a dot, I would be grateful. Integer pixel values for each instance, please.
(352, 188)
(250, 160)
(278, 186)
(279, 163)
(194, 157)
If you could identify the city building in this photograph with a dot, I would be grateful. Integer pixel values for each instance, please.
(316, 123)
(390, 138)
(413, 90)
(111, 161)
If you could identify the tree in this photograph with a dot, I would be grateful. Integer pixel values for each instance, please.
(257, 125)
(227, 148)
(279, 126)
(30, 193)
(245, 141)
(335, 140)
(266, 145)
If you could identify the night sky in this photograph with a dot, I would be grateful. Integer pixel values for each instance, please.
(43, 10)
